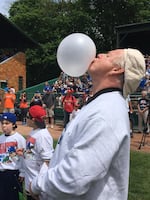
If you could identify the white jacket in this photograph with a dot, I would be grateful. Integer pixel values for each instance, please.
(91, 160)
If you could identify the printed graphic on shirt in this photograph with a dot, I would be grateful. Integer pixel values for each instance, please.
(8, 152)
(30, 148)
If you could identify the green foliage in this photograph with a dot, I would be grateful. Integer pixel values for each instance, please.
(108, 14)
(49, 21)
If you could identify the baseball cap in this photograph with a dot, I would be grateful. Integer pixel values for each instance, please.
(11, 117)
(135, 68)
(37, 112)
(48, 88)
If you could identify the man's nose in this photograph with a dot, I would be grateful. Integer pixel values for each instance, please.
(100, 55)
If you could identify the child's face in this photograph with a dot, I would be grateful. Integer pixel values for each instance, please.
(30, 121)
(7, 126)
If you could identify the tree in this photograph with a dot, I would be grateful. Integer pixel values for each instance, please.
(108, 14)
(48, 22)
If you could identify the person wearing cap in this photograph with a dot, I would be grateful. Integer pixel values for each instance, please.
(68, 102)
(39, 146)
(36, 99)
(9, 101)
(49, 104)
(23, 105)
(91, 159)
(11, 165)
(47, 87)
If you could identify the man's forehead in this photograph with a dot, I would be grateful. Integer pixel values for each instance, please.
(116, 51)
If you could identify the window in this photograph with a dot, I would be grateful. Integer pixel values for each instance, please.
(3, 84)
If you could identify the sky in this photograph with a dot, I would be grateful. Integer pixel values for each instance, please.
(5, 5)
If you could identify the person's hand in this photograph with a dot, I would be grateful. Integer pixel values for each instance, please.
(53, 107)
(21, 179)
(20, 152)
(44, 105)
(140, 111)
(36, 197)
(131, 111)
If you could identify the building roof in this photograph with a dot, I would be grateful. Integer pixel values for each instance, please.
(135, 35)
(12, 36)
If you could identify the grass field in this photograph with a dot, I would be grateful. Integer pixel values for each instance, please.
(139, 182)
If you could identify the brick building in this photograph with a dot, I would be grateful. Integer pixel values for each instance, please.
(13, 69)
(13, 72)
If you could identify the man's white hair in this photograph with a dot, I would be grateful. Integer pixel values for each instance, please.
(134, 64)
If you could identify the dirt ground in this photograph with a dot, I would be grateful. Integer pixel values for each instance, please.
(56, 131)
(136, 142)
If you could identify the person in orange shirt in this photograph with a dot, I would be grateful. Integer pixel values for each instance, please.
(9, 102)
(23, 107)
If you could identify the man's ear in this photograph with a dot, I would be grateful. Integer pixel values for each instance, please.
(118, 70)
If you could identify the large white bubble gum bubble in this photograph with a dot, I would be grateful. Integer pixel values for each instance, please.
(75, 53)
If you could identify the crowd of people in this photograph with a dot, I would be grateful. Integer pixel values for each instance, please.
(145, 81)
(143, 101)
(91, 158)
(68, 93)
